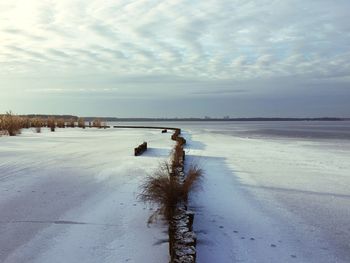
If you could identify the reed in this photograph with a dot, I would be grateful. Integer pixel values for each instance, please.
(162, 190)
(192, 181)
(61, 123)
(25, 122)
(166, 191)
(11, 124)
(81, 123)
(97, 123)
(51, 123)
(37, 123)
(71, 123)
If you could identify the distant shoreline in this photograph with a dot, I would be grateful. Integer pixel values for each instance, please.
(89, 118)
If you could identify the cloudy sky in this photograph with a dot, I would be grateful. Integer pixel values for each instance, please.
(152, 58)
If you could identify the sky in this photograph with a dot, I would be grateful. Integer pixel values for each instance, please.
(175, 58)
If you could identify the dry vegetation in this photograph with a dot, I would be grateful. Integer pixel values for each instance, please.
(81, 123)
(193, 178)
(37, 123)
(61, 123)
(166, 191)
(71, 123)
(11, 124)
(162, 190)
(51, 123)
(25, 123)
(97, 123)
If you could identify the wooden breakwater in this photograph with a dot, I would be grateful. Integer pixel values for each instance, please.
(140, 149)
(182, 239)
(146, 127)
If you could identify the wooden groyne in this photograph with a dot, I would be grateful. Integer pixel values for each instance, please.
(146, 127)
(140, 149)
(182, 239)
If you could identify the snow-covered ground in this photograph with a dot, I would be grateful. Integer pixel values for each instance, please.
(70, 196)
(271, 200)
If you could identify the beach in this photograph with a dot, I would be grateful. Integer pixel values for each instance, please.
(71, 196)
(263, 198)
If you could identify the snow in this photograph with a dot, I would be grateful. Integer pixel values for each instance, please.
(71, 196)
(271, 200)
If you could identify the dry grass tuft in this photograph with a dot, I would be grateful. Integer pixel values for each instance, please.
(61, 123)
(71, 123)
(165, 190)
(97, 123)
(51, 124)
(81, 123)
(11, 124)
(162, 189)
(25, 122)
(37, 123)
(193, 178)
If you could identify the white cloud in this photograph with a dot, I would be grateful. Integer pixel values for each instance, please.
(212, 39)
